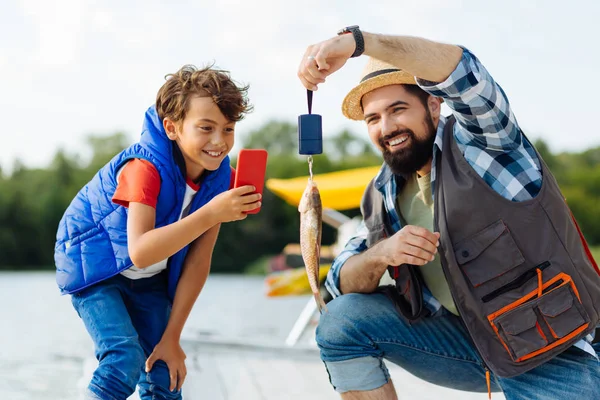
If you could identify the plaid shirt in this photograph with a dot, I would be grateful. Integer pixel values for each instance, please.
(489, 137)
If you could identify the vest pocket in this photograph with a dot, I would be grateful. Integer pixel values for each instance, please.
(488, 254)
(562, 312)
(521, 332)
(536, 324)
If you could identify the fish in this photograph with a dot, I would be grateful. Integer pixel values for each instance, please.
(311, 224)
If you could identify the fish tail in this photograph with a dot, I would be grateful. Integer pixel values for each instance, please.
(320, 303)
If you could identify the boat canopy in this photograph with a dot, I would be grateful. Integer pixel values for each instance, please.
(340, 190)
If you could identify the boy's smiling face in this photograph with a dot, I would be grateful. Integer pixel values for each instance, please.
(205, 136)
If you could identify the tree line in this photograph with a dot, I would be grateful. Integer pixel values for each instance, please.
(32, 200)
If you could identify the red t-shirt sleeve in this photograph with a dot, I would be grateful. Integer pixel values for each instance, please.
(138, 182)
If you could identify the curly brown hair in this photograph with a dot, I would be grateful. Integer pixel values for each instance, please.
(172, 99)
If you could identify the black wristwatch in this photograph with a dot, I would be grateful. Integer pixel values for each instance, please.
(358, 38)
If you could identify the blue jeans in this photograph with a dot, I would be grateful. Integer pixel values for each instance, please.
(361, 330)
(126, 319)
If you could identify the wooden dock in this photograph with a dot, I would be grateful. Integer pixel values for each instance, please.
(241, 369)
(225, 372)
(235, 371)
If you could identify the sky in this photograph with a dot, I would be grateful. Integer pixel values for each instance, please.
(71, 68)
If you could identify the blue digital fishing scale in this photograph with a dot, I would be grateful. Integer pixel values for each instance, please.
(310, 130)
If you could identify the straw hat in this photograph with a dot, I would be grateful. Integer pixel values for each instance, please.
(375, 75)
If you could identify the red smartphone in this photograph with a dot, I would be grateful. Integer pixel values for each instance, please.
(250, 170)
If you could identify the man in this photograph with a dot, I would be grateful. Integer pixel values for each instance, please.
(468, 270)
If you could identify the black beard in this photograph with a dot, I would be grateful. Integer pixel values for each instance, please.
(408, 160)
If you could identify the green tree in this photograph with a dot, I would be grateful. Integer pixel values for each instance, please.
(346, 144)
(277, 137)
(104, 148)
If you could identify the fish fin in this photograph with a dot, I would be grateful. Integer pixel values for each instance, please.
(320, 303)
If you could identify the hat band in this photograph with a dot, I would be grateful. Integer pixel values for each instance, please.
(377, 73)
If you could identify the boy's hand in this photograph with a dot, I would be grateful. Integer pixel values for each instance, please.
(233, 204)
(172, 354)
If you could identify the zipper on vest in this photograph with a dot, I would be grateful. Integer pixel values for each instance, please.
(540, 282)
(515, 283)
(488, 381)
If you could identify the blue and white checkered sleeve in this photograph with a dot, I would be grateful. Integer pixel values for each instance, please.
(479, 104)
(356, 245)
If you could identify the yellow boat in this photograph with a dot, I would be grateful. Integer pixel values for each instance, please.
(341, 190)
(291, 282)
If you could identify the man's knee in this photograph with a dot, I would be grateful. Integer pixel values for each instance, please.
(345, 322)
(340, 311)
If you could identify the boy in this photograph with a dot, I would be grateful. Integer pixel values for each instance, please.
(134, 247)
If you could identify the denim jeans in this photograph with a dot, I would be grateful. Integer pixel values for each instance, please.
(361, 330)
(126, 318)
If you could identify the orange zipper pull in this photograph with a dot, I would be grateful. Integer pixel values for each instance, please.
(489, 382)
(540, 282)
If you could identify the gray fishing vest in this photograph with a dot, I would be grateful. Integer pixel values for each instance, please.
(520, 273)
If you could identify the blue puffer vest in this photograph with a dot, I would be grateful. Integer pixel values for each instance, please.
(91, 242)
